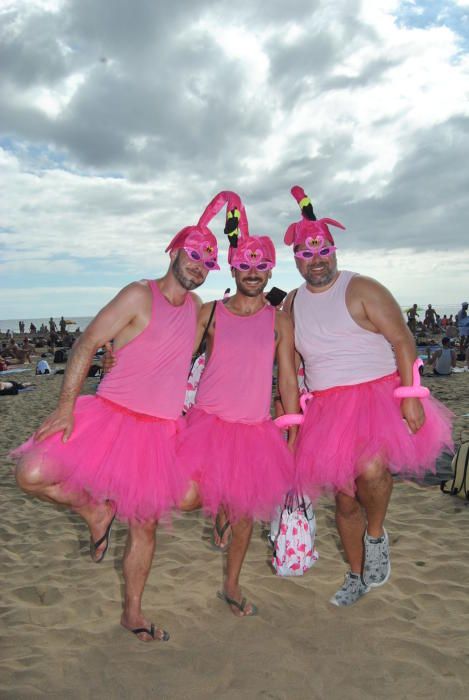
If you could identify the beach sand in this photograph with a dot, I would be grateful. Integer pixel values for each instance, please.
(59, 614)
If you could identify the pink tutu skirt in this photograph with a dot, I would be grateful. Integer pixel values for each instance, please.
(114, 453)
(347, 427)
(247, 468)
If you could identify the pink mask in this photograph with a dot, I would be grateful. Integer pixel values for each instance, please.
(253, 252)
(314, 246)
(199, 243)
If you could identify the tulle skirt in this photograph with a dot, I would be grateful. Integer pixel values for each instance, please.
(114, 453)
(247, 468)
(347, 427)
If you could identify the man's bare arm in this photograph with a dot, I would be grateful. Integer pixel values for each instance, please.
(384, 313)
(287, 381)
(105, 326)
(202, 322)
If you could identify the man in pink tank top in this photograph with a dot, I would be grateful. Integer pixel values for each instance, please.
(113, 454)
(236, 458)
(356, 349)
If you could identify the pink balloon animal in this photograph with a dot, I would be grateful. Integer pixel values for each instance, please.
(416, 390)
(294, 418)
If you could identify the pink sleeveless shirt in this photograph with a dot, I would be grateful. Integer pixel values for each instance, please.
(237, 382)
(151, 373)
(336, 351)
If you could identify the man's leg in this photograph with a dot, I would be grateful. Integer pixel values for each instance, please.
(136, 566)
(374, 488)
(351, 526)
(360, 525)
(242, 531)
(96, 515)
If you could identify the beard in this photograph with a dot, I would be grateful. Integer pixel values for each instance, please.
(184, 280)
(320, 279)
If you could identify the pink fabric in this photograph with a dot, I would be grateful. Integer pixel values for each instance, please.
(252, 249)
(114, 453)
(245, 468)
(347, 427)
(237, 382)
(336, 350)
(151, 374)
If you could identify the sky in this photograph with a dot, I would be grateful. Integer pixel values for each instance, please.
(121, 119)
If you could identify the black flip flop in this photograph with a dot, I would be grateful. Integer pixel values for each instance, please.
(220, 532)
(151, 633)
(241, 606)
(105, 538)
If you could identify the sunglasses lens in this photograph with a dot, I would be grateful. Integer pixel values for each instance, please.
(307, 254)
(244, 266)
(324, 252)
(194, 255)
(262, 266)
(210, 264)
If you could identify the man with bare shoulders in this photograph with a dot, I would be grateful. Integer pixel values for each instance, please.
(113, 454)
(240, 465)
(356, 350)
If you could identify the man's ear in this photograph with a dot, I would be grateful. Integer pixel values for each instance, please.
(232, 269)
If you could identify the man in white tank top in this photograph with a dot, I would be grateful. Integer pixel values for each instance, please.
(444, 359)
(352, 337)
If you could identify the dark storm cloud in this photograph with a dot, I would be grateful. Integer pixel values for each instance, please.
(162, 101)
(424, 206)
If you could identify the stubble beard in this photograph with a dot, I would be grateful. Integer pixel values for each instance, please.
(320, 281)
(185, 282)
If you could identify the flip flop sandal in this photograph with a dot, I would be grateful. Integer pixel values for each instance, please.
(220, 532)
(241, 606)
(105, 538)
(151, 633)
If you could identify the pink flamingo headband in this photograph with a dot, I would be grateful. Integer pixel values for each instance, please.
(246, 251)
(309, 231)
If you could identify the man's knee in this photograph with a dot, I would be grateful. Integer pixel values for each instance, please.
(144, 532)
(191, 500)
(375, 472)
(347, 506)
(29, 478)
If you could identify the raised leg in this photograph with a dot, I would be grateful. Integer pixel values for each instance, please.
(97, 516)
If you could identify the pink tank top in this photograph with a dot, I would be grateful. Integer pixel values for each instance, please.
(337, 351)
(151, 373)
(237, 383)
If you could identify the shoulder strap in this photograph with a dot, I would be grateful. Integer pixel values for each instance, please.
(201, 347)
(292, 305)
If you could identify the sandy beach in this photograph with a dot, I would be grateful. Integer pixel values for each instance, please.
(59, 616)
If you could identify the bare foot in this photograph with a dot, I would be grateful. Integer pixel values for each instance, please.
(144, 630)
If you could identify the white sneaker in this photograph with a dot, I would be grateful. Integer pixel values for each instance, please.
(352, 590)
(377, 566)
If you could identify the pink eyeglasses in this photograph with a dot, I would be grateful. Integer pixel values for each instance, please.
(307, 254)
(262, 266)
(210, 264)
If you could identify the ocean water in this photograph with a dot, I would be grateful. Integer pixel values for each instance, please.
(83, 321)
(13, 323)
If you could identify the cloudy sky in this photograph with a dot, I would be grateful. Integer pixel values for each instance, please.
(120, 119)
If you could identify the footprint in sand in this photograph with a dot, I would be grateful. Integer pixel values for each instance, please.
(36, 595)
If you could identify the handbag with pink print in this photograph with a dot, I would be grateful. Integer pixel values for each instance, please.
(294, 549)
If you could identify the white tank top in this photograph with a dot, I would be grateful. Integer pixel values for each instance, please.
(337, 351)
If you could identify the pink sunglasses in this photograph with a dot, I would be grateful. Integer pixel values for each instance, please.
(210, 264)
(260, 266)
(307, 254)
